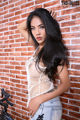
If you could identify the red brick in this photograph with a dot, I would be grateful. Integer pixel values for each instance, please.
(6, 70)
(65, 111)
(63, 18)
(74, 47)
(74, 114)
(1, 9)
(75, 16)
(25, 15)
(75, 79)
(69, 107)
(9, 50)
(8, 6)
(10, 23)
(19, 12)
(20, 77)
(8, 15)
(15, 113)
(41, 1)
(25, 117)
(23, 63)
(74, 72)
(20, 49)
(75, 60)
(4, 29)
(20, 2)
(16, 97)
(21, 86)
(15, 81)
(4, 12)
(73, 90)
(75, 28)
(20, 58)
(27, 5)
(70, 11)
(14, 62)
(51, 3)
(66, 117)
(1, 82)
(23, 44)
(18, 106)
(15, 54)
(19, 67)
(9, 67)
(71, 35)
(20, 111)
(65, 29)
(18, 118)
(64, 100)
(14, 9)
(66, 42)
(74, 102)
(3, 4)
(21, 103)
(12, 28)
(70, 23)
(26, 54)
(14, 18)
(74, 66)
(77, 54)
(20, 40)
(1, 17)
(23, 72)
(5, 78)
(15, 71)
(67, 95)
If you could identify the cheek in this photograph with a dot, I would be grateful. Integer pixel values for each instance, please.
(33, 33)
(44, 34)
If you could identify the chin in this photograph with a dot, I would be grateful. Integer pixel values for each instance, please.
(40, 43)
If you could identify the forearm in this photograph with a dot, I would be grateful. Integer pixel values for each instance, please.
(22, 26)
(60, 89)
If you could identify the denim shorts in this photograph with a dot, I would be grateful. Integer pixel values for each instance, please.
(50, 110)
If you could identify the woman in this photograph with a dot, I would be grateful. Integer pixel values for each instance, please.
(48, 61)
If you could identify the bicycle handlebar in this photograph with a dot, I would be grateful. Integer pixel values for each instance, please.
(6, 96)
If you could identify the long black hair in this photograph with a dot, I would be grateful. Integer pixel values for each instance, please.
(54, 51)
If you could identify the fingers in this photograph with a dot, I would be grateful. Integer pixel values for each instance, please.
(52, 12)
(31, 112)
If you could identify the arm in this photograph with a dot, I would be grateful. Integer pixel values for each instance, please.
(23, 30)
(62, 87)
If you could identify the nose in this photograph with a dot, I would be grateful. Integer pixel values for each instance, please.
(37, 31)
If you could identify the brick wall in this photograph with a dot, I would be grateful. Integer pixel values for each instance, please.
(14, 51)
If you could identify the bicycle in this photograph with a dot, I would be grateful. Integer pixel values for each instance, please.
(5, 102)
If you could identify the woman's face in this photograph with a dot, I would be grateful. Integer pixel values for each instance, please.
(38, 30)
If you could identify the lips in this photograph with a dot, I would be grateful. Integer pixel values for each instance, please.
(39, 38)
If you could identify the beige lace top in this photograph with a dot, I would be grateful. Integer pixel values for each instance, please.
(38, 82)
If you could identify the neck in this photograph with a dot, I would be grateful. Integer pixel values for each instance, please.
(40, 47)
(38, 50)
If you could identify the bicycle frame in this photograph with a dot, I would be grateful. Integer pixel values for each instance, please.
(5, 102)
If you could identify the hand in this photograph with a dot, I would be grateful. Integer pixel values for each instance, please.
(34, 105)
(52, 12)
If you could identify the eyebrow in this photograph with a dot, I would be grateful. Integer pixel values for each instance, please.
(38, 25)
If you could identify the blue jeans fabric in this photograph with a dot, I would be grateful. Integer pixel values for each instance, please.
(51, 110)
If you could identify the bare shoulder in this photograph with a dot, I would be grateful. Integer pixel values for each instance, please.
(63, 72)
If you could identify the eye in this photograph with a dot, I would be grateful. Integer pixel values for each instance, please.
(32, 28)
(42, 26)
